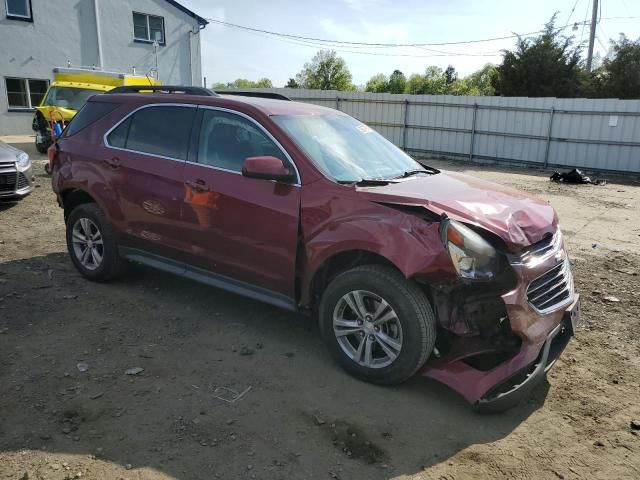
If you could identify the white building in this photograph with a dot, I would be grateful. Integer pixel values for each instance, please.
(114, 35)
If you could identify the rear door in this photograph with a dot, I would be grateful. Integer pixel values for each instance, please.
(144, 157)
(243, 228)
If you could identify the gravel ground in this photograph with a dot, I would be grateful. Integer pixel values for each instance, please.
(68, 408)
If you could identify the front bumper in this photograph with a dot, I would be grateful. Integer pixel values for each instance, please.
(542, 310)
(15, 183)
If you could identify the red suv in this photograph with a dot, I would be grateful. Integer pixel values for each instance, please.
(410, 269)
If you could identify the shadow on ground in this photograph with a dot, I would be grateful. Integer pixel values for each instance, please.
(300, 416)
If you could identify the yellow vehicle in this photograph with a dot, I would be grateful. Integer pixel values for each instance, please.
(70, 89)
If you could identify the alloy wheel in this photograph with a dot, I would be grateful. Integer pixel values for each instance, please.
(88, 246)
(367, 329)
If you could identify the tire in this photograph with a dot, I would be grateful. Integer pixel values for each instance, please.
(412, 325)
(42, 147)
(89, 215)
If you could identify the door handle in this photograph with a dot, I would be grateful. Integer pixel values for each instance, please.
(113, 163)
(198, 185)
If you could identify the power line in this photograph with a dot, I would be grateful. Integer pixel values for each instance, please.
(367, 44)
(313, 44)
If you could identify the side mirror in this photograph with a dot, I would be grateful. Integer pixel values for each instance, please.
(266, 168)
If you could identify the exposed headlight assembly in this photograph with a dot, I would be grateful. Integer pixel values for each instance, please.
(473, 257)
(23, 160)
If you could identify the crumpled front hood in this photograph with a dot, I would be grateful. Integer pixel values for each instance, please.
(519, 219)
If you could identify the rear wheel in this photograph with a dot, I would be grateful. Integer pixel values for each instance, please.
(91, 243)
(378, 325)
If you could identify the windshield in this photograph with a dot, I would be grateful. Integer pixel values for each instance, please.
(345, 149)
(68, 97)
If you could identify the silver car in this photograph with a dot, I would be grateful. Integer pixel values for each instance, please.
(16, 173)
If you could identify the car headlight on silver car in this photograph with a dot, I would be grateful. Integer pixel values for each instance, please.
(473, 257)
(23, 161)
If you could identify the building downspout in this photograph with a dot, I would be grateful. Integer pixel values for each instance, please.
(98, 35)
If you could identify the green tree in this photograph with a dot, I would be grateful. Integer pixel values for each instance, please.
(241, 83)
(292, 83)
(264, 83)
(377, 84)
(415, 84)
(435, 81)
(481, 80)
(397, 82)
(619, 77)
(450, 75)
(326, 71)
(545, 66)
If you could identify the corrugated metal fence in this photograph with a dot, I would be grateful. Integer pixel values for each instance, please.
(591, 134)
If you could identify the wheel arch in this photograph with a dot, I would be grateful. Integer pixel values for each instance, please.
(335, 264)
(72, 197)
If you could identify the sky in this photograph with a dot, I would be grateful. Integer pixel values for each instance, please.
(228, 53)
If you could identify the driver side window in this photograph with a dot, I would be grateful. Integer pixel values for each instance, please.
(226, 140)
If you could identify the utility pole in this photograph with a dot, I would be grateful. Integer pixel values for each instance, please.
(592, 34)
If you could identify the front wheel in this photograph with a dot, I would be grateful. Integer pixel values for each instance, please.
(378, 325)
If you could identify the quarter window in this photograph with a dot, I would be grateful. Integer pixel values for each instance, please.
(90, 113)
(162, 131)
(25, 93)
(148, 28)
(226, 140)
(18, 9)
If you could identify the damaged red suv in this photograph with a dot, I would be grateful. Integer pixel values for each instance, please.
(410, 269)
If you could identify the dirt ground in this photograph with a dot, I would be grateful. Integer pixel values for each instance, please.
(69, 410)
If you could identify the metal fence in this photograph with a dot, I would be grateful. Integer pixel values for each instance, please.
(602, 134)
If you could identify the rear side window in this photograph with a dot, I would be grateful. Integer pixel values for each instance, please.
(90, 113)
(158, 130)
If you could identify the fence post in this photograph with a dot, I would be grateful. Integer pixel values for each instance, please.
(337, 102)
(548, 146)
(404, 124)
(473, 131)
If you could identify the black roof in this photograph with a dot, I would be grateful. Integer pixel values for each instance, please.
(201, 21)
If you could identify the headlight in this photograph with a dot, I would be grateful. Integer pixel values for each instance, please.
(23, 160)
(473, 257)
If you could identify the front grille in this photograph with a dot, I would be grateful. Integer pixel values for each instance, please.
(551, 289)
(8, 181)
(22, 181)
(544, 247)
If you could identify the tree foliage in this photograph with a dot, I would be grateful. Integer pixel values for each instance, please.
(243, 83)
(397, 82)
(377, 84)
(546, 66)
(619, 76)
(326, 71)
(292, 83)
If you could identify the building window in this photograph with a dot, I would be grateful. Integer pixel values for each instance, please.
(25, 93)
(148, 28)
(19, 9)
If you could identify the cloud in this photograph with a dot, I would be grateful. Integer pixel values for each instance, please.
(367, 31)
(363, 5)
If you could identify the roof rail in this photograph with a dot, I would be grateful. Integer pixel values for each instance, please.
(164, 89)
(251, 93)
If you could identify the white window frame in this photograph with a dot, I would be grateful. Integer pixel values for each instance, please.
(30, 107)
(149, 39)
(10, 15)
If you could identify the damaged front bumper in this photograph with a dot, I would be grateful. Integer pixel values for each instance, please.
(542, 310)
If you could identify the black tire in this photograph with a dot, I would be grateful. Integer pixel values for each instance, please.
(413, 312)
(42, 147)
(112, 264)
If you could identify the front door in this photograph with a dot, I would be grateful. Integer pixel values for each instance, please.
(246, 228)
